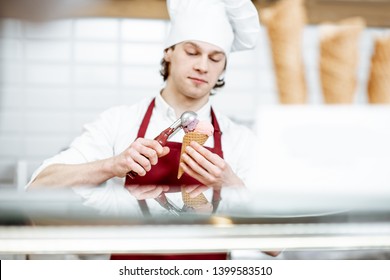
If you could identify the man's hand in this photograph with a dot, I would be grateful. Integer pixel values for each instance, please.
(146, 191)
(208, 168)
(138, 157)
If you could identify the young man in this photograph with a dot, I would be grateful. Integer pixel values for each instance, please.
(203, 33)
(194, 60)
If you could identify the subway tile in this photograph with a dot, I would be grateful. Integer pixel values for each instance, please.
(99, 52)
(45, 145)
(268, 97)
(47, 74)
(45, 50)
(131, 95)
(11, 49)
(11, 72)
(48, 122)
(97, 28)
(148, 77)
(10, 28)
(11, 97)
(11, 145)
(242, 58)
(241, 79)
(141, 53)
(95, 98)
(310, 37)
(56, 29)
(95, 75)
(227, 104)
(47, 98)
(141, 30)
(11, 122)
(265, 79)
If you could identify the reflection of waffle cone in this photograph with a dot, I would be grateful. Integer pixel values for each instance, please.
(195, 201)
(379, 81)
(188, 137)
(338, 60)
(285, 21)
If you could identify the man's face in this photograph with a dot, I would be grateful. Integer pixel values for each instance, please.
(194, 68)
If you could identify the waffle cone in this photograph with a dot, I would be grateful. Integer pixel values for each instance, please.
(378, 87)
(285, 21)
(188, 137)
(338, 59)
(193, 202)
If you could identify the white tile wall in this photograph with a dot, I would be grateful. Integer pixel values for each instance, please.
(58, 29)
(140, 30)
(96, 52)
(10, 49)
(11, 72)
(56, 76)
(47, 50)
(95, 75)
(47, 99)
(47, 74)
(134, 53)
(97, 29)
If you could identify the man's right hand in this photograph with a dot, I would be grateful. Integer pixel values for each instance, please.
(138, 157)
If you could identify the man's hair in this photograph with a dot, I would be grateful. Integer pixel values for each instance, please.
(164, 71)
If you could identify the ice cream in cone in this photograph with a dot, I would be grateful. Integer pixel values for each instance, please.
(199, 132)
(379, 81)
(285, 21)
(339, 57)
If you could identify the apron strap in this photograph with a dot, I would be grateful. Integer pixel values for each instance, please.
(146, 120)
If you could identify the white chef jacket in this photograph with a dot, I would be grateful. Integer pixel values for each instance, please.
(116, 128)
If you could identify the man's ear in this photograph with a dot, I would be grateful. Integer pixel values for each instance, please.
(168, 54)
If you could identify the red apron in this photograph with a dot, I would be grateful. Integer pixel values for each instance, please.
(165, 173)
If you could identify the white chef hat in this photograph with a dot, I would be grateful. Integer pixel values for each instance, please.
(232, 25)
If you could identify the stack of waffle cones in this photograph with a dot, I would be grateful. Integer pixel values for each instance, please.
(339, 60)
(285, 22)
(379, 81)
(200, 202)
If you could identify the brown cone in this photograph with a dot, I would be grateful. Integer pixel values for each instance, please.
(285, 22)
(379, 81)
(338, 60)
(193, 202)
(188, 137)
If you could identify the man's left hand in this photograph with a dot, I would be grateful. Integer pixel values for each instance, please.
(208, 168)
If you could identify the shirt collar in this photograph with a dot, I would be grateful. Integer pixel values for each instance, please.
(163, 108)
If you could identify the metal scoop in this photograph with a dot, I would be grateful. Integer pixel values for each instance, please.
(185, 119)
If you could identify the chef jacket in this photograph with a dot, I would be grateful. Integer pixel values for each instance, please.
(114, 131)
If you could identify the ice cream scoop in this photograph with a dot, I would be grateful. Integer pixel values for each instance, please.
(186, 119)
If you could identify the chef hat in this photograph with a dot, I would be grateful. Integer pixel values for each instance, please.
(232, 25)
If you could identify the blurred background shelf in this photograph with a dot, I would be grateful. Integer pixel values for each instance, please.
(375, 12)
